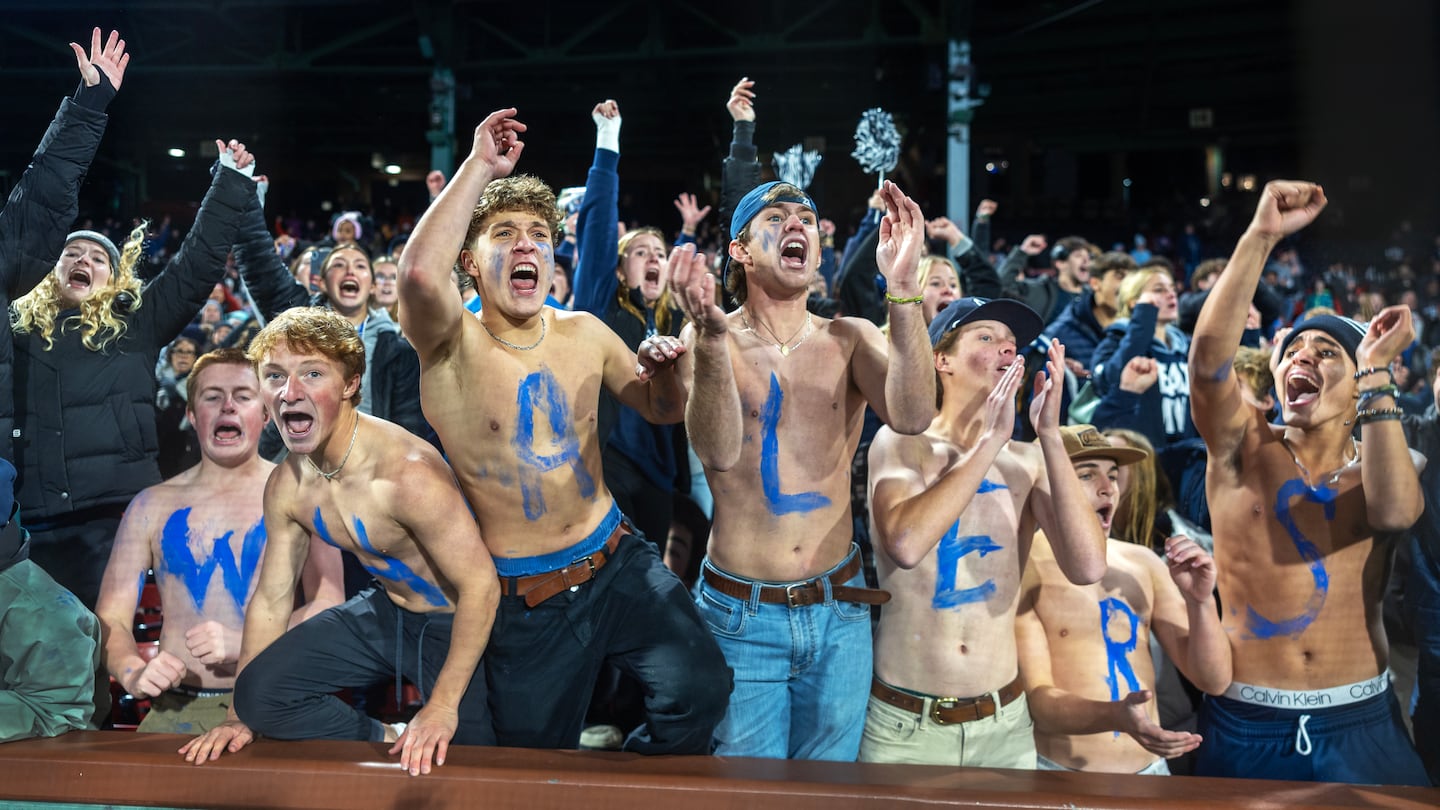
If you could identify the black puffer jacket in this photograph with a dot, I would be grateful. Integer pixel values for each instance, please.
(392, 368)
(33, 226)
(86, 434)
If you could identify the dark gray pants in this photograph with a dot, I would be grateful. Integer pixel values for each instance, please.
(286, 691)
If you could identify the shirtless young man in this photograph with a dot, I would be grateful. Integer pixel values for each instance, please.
(202, 532)
(514, 395)
(371, 488)
(775, 415)
(1295, 511)
(954, 510)
(1088, 673)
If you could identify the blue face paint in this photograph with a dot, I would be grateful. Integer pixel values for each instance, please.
(1117, 653)
(781, 503)
(986, 485)
(952, 548)
(1263, 628)
(179, 560)
(541, 390)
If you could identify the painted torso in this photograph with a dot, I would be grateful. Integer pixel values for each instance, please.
(206, 547)
(782, 512)
(1099, 641)
(1299, 575)
(949, 628)
(354, 512)
(519, 429)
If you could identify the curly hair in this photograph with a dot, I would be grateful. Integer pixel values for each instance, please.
(523, 192)
(313, 330)
(99, 323)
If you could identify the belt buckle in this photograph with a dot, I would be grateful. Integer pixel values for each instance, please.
(790, 593)
(588, 560)
(942, 703)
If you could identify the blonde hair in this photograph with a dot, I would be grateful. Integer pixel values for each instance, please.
(927, 265)
(662, 304)
(1252, 366)
(1134, 285)
(100, 326)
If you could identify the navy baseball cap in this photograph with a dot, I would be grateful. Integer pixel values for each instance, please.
(1025, 322)
(1348, 333)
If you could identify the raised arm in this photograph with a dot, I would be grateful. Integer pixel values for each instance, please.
(1393, 500)
(43, 204)
(130, 559)
(741, 170)
(908, 401)
(172, 298)
(267, 616)
(437, 517)
(597, 236)
(713, 417)
(430, 309)
(1285, 206)
(1061, 507)
(265, 275)
(910, 517)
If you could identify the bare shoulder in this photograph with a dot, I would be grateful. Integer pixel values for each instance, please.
(849, 328)
(575, 323)
(1134, 556)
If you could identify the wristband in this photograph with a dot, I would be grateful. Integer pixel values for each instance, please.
(1365, 417)
(1366, 372)
(1374, 393)
(895, 300)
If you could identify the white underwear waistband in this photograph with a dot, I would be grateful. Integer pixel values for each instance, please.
(1309, 698)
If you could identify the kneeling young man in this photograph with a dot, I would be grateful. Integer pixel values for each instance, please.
(955, 509)
(203, 533)
(371, 488)
(1085, 649)
(1296, 510)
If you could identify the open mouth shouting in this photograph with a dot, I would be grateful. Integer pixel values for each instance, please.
(1106, 513)
(524, 278)
(1301, 388)
(227, 433)
(296, 425)
(78, 280)
(793, 252)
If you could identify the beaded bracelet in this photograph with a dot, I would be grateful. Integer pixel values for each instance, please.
(1366, 372)
(894, 300)
(1365, 417)
(1373, 393)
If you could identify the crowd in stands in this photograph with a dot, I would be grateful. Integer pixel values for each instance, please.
(749, 482)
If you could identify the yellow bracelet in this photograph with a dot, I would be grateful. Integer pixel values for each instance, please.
(892, 299)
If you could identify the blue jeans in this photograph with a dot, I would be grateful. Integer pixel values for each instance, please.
(802, 675)
(1422, 602)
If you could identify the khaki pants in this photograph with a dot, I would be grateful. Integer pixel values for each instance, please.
(174, 713)
(1004, 740)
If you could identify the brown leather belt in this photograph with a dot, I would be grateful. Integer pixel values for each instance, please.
(536, 588)
(945, 710)
(810, 592)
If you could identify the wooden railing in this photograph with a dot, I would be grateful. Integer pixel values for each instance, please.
(122, 768)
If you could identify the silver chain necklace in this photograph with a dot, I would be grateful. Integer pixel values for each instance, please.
(784, 346)
(1335, 475)
(330, 476)
(516, 346)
